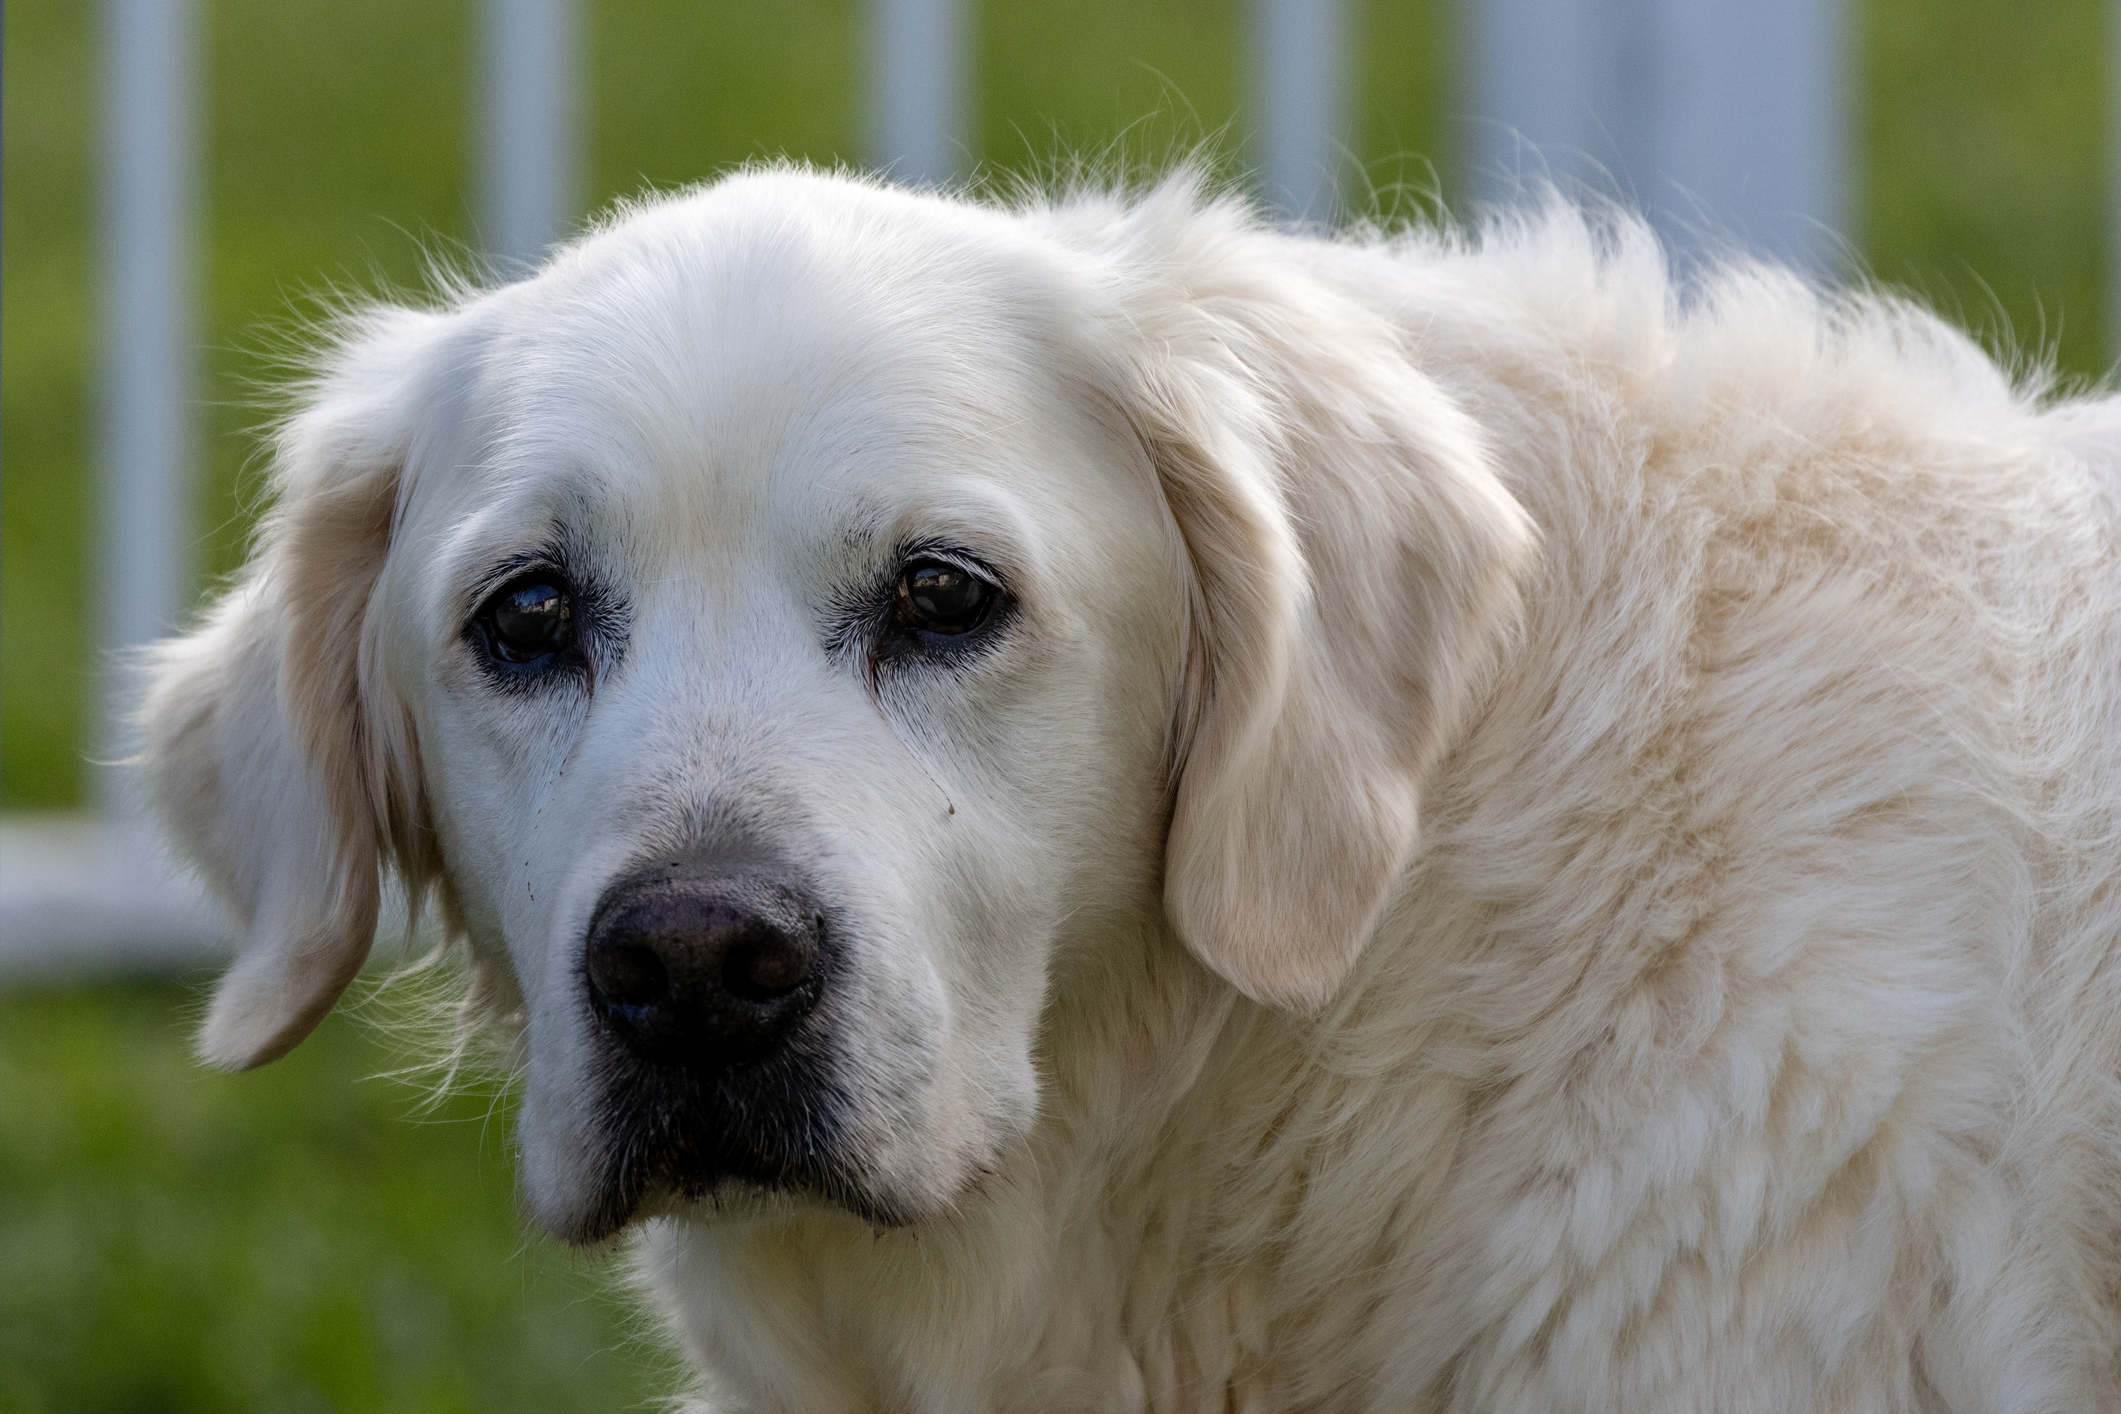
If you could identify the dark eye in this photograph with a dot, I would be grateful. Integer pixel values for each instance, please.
(529, 619)
(936, 597)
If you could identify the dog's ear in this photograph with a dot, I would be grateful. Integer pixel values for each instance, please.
(281, 767)
(1357, 563)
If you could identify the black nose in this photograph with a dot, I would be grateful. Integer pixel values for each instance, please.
(685, 971)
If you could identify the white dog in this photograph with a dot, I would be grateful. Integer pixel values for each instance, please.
(1097, 807)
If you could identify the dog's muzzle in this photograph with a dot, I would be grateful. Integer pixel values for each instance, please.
(709, 982)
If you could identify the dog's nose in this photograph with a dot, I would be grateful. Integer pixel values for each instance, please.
(686, 972)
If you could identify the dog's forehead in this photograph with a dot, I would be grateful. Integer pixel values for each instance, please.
(711, 364)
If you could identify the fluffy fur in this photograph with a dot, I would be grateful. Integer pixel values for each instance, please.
(1541, 841)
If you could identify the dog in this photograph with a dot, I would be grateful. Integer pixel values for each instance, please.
(1081, 803)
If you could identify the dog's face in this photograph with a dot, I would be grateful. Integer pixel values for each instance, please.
(783, 628)
(786, 677)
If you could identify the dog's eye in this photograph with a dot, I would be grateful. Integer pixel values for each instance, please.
(529, 619)
(935, 597)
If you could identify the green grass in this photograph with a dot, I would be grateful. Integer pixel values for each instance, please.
(178, 1241)
(175, 1240)
(1987, 169)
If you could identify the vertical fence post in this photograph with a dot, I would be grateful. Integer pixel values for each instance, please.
(1299, 65)
(529, 125)
(920, 62)
(1754, 138)
(145, 441)
(1560, 90)
(1725, 121)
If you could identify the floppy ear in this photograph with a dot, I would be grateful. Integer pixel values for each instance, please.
(1357, 566)
(279, 765)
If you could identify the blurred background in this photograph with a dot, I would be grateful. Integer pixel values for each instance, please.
(182, 178)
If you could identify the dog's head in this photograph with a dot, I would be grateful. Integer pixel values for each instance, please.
(798, 615)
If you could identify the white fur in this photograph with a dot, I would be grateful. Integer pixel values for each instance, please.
(1540, 844)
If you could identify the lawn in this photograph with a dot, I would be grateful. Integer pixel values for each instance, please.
(307, 1237)
(304, 1237)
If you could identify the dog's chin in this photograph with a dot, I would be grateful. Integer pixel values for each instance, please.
(736, 1202)
(624, 1197)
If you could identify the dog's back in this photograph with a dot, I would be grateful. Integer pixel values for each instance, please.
(1748, 1034)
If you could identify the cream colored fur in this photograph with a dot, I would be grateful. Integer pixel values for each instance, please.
(1547, 842)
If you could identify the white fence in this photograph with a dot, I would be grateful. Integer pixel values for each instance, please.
(1720, 117)
(1722, 120)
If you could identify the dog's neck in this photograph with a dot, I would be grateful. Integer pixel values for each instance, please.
(1082, 1204)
